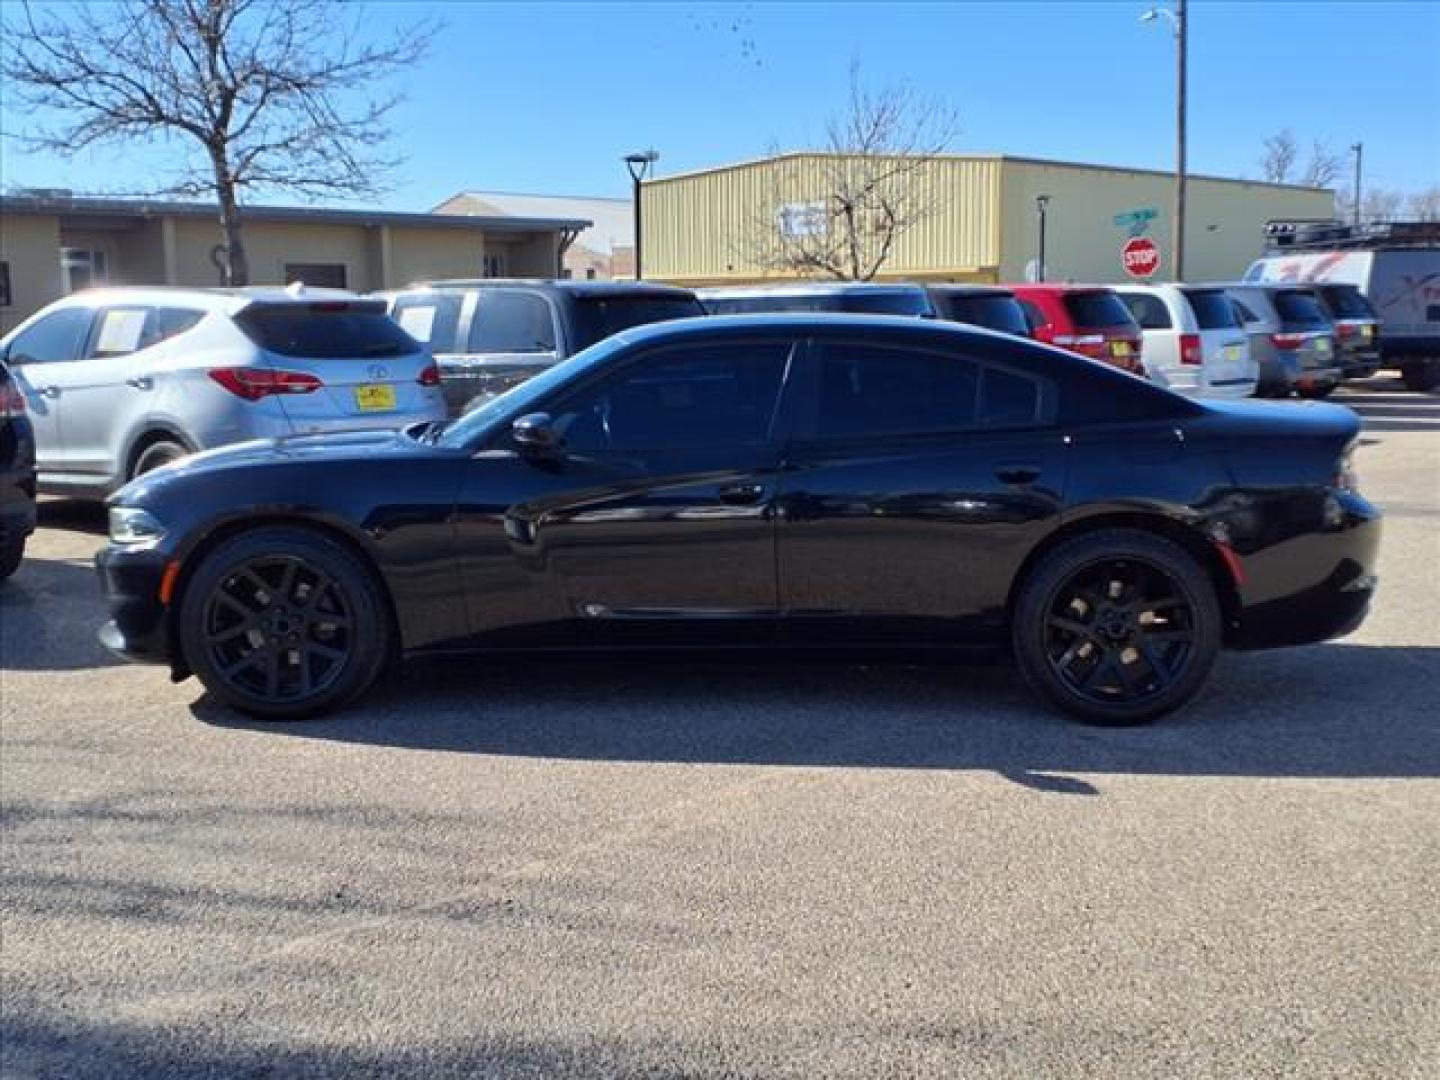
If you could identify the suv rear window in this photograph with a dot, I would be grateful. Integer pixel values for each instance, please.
(1002, 313)
(597, 317)
(1096, 309)
(1347, 302)
(432, 319)
(1300, 309)
(864, 302)
(326, 330)
(1213, 310)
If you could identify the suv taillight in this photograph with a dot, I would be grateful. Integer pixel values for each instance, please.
(12, 401)
(1288, 341)
(429, 376)
(252, 384)
(1190, 350)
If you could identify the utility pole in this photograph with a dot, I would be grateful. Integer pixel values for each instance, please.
(1041, 203)
(1180, 17)
(1359, 150)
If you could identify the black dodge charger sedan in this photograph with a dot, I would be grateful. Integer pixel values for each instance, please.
(831, 481)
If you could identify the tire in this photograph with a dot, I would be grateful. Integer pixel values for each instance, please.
(1116, 659)
(284, 623)
(12, 553)
(1422, 376)
(157, 454)
(1315, 393)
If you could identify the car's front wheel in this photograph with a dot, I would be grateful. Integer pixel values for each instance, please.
(284, 623)
(1117, 626)
(12, 554)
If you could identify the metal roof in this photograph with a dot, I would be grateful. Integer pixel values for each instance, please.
(142, 209)
(612, 220)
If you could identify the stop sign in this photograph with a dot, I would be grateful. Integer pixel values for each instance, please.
(1140, 256)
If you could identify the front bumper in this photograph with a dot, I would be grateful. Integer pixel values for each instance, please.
(139, 626)
(1315, 585)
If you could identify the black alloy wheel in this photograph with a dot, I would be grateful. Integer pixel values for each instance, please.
(284, 623)
(1117, 627)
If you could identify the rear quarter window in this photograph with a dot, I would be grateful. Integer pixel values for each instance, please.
(325, 331)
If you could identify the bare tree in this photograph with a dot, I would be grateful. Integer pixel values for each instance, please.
(1323, 166)
(1381, 204)
(1424, 205)
(840, 213)
(254, 89)
(1279, 157)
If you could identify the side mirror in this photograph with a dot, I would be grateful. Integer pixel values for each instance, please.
(535, 434)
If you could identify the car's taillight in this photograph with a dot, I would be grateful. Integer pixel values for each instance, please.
(12, 402)
(1190, 350)
(430, 376)
(252, 384)
(1345, 330)
(1288, 341)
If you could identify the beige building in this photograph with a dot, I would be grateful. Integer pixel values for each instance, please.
(714, 226)
(53, 244)
(604, 250)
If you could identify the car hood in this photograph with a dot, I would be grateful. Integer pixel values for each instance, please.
(289, 450)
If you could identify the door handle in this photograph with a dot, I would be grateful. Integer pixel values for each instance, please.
(1018, 473)
(742, 494)
(141, 382)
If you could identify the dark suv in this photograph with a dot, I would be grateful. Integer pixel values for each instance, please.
(17, 475)
(1357, 328)
(491, 334)
(981, 305)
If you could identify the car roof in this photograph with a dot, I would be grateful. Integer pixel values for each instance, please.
(228, 301)
(557, 286)
(809, 288)
(951, 289)
(803, 323)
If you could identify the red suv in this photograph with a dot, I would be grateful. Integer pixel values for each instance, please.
(1088, 319)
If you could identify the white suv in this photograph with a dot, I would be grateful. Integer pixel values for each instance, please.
(120, 381)
(1194, 341)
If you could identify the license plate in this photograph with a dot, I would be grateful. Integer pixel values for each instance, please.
(375, 398)
(1234, 353)
(1120, 349)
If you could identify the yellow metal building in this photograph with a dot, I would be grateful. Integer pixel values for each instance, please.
(709, 227)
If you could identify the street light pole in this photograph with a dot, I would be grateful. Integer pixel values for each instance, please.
(640, 165)
(1041, 203)
(1359, 149)
(1179, 25)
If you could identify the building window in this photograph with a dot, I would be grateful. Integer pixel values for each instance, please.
(83, 268)
(320, 275)
(5, 300)
(590, 273)
(494, 264)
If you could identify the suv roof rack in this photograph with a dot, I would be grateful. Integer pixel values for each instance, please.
(1323, 234)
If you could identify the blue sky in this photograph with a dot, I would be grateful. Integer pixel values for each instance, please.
(546, 97)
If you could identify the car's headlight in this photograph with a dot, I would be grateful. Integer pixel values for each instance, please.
(130, 525)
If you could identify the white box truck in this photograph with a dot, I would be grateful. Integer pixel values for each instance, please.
(1396, 266)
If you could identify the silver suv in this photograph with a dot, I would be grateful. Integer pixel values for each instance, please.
(121, 381)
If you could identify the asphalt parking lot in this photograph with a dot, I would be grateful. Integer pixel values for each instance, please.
(722, 869)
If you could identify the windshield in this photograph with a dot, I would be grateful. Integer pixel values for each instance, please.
(1347, 302)
(997, 312)
(1213, 310)
(517, 401)
(327, 330)
(1096, 309)
(597, 317)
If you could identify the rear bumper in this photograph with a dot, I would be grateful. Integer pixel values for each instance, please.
(1314, 586)
(138, 628)
(1359, 363)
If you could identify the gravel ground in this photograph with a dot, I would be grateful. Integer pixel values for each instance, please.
(694, 870)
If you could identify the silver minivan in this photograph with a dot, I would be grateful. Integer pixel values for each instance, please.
(121, 381)
(1291, 338)
(1194, 342)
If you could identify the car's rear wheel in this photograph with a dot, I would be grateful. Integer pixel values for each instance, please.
(284, 623)
(1317, 391)
(161, 452)
(1117, 627)
(1421, 376)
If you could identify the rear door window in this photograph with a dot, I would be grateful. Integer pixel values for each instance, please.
(1096, 309)
(1213, 309)
(868, 391)
(598, 317)
(1300, 310)
(1148, 310)
(512, 322)
(433, 319)
(326, 330)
